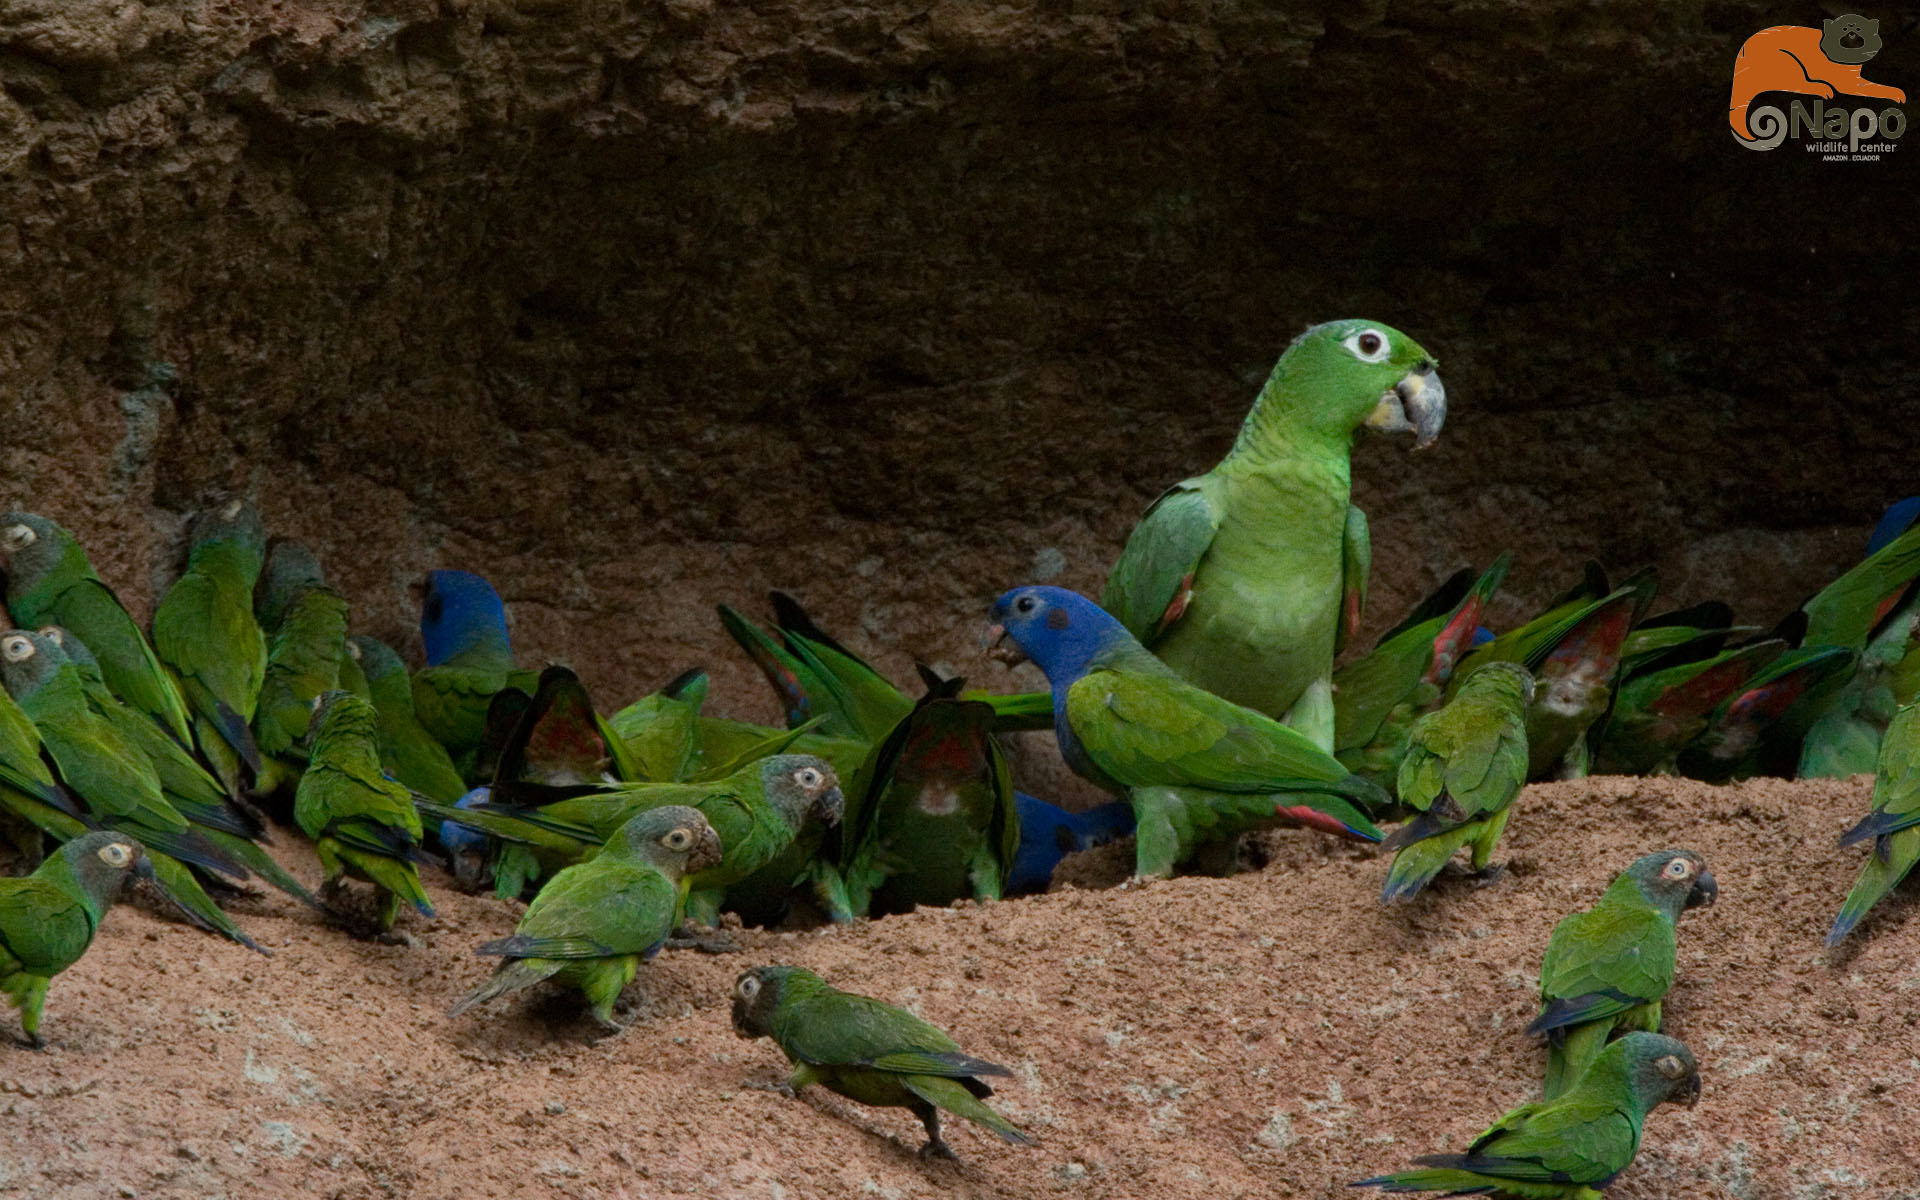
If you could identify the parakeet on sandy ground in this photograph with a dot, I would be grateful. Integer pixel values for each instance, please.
(205, 630)
(363, 824)
(1376, 698)
(1606, 969)
(469, 658)
(1195, 766)
(1048, 833)
(50, 582)
(187, 785)
(1464, 765)
(113, 777)
(1893, 825)
(757, 811)
(1843, 738)
(867, 1051)
(1246, 580)
(306, 626)
(930, 815)
(407, 751)
(49, 918)
(1569, 1148)
(593, 924)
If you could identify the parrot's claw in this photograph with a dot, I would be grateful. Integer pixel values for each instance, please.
(394, 937)
(779, 1087)
(937, 1148)
(606, 1027)
(687, 938)
(1493, 873)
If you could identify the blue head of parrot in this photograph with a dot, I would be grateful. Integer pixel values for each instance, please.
(1061, 631)
(1049, 833)
(1898, 518)
(1481, 636)
(460, 614)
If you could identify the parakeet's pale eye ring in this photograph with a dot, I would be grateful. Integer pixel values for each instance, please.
(807, 777)
(1679, 868)
(18, 537)
(232, 509)
(679, 839)
(1670, 1066)
(1369, 346)
(749, 987)
(17, 648)
(116, 854)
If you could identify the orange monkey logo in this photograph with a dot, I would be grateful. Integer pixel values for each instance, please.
(1820, 62)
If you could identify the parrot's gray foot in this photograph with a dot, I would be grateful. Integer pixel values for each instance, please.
(688, 937)
(938, 1148)
(605, 1027)
(393, 937)
(779, 1087)
(1489, 875)
(33, 1041)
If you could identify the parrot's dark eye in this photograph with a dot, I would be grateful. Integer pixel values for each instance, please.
(807, 777)
(116, 854)
(1679, 868)
(1670, 1066)
(19, 537)
(432, 610)
(748, 987)
(17, 648)
(679, 839)
(1369, 345)
(1025, 604)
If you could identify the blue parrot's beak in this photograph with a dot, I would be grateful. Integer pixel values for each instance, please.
(999, 648)
(1416, 405)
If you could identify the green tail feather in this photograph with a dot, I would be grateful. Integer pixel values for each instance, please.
(953, 1096)
(510, 977)
(254, 859)
(1418, 862)
(396, 877)
(513, 868)
(186, 893)
(1892, 857)
(1568, 1060)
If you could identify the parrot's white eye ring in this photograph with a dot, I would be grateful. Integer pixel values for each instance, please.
(1670, 1066)
(1369, 346)
(54, 634)
(1679, 868)
(679, 839)
(748, 987)
(232, 509)
(17, 648)
(116, 854)
(807, 777)
(19, 537)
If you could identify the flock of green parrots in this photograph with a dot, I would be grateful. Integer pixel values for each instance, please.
(1201, 691)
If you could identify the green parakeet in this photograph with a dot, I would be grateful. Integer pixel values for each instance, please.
(930, 818)
(1745, 726)
(1893, 825)
(757, 811)
(1192, 763)
(113, 776)
(867, 1051)
(1377, 698)
(1464, 765)
(306, 626)
(50, 582)
(205, 630)
(593, 924)
(187, 785)
(48, 918)
(1245, 579)
(363, 824)
(661, 731)
(34, 804)
(1606, 969)
(1569, 1148)
(408, 752)
(1659, 712)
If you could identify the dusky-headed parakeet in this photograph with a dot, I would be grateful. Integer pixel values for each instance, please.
(49, 918)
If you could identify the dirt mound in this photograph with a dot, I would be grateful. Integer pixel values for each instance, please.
(1273, 1034)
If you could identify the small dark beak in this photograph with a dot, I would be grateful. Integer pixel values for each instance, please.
(143, 868)
(831, 805)
(1705, 891)
(1689, 1094)
(999, 648)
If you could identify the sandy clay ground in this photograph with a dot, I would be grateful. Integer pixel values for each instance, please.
(1273, 1034)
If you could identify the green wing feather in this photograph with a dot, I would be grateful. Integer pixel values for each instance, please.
(1160, 558)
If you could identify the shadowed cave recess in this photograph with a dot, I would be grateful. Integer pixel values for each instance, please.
(639, 308)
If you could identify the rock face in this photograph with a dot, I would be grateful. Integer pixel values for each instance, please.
(642, 307)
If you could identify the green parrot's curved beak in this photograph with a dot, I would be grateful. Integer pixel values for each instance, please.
(999, 648)
(831, 805)
(1417, 404)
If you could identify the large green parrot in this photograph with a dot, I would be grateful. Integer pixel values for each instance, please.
(1247, 579)
(594, 923)
(114, 777)
(1893, 825)
(49, 918)
(1569, 1148)
(205, 630)
(50, 582)
(363, 824)
(1464, 765)
(867, 1051)
(1606, 969)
